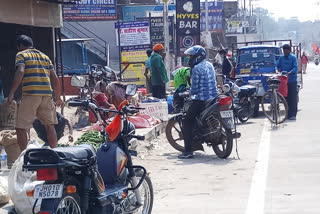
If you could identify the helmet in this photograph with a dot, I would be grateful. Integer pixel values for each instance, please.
(199, 54)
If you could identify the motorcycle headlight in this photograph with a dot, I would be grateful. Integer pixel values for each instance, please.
(226, 88)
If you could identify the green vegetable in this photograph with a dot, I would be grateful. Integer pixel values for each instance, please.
(93, 138)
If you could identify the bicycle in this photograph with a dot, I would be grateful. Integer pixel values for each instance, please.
(274, 105)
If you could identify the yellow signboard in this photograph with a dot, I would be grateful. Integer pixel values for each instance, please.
(135, 72)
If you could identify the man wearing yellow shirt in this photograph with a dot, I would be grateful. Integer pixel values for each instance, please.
(36, 73)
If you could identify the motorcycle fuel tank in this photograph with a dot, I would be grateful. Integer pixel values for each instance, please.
(111, 162)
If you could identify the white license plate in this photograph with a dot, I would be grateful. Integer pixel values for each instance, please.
(48, 191)
(226, 114)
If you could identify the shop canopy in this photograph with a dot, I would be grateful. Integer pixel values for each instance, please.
(45, 13)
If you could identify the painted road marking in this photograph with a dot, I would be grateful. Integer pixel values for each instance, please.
(258, 184)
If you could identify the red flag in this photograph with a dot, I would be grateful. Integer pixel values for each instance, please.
(315, 48)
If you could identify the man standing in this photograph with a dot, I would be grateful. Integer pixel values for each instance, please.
(159, 76)
(289, 63)
(146, 73)
(203, 87)
(304, 62)
(35, 70)
(226, 64)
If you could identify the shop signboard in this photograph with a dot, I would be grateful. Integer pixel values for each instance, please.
(132, 13)
(133, 33)
(187, 24)
(215, 16)
(90, 10)
(234, 26)
(157, 30)
(134, 40)
(134, 72)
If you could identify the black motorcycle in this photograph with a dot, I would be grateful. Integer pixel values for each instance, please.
(213, 126)
(244, 99)
(80, 180)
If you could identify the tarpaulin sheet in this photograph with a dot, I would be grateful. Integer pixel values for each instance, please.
(31, 12)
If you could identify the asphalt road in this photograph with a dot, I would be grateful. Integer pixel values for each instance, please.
(278, 171)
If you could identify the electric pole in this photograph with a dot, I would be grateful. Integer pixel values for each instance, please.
(166, 37)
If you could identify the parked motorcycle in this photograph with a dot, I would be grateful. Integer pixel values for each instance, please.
(80, 180)
(244, 99)
(213, 126)
(102, 73)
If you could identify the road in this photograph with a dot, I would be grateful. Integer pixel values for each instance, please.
(277, 173)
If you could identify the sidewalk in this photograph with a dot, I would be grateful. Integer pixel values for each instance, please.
(148, 133)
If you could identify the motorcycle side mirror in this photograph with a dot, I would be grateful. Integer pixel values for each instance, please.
(131, 89)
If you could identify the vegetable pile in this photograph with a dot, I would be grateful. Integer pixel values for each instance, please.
(93, 138)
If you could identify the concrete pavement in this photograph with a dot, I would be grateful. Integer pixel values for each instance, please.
(294, 172)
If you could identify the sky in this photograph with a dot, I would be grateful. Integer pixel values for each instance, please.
(303, 9)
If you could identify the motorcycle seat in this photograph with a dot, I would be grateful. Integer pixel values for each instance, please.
(248, 89)
(210, 102)
(84, 151)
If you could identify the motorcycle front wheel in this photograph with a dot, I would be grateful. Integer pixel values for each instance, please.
(243, 116)
(146, 191)
(174, 134)
(223, 147)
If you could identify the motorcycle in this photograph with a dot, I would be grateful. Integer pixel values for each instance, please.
(213, 126)
(102, 73)
(244, 99)
(80, 180)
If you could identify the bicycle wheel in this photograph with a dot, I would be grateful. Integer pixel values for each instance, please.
(267, 106)
(275, 107)
(281, 108)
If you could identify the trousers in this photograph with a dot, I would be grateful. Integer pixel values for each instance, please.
(292, 99)
(189, 121)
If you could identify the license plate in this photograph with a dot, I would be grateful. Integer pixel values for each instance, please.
(48, 191)
(226, 114)
(245, 71)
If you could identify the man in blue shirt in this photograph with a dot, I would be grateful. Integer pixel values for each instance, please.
(147, 72)
(203, 87)
(289, 63)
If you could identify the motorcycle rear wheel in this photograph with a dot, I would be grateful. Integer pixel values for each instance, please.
(223, 148)
(174, 135)
(68, 204)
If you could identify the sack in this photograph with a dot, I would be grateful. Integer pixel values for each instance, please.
(8, 115)
(4, 195)
(8, 139)
(20, 181)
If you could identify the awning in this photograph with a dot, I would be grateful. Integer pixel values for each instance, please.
(31, 12)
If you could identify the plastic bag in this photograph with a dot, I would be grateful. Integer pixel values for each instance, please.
(20, 181)
(4, 196)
